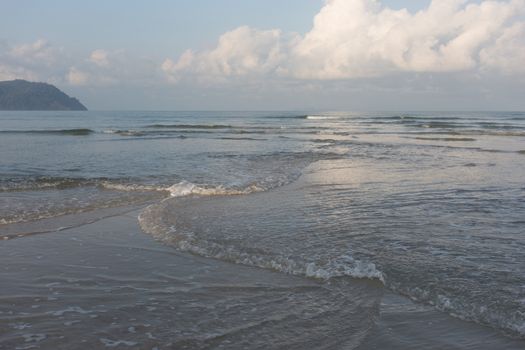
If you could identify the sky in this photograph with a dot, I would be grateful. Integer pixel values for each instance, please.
(271, 55)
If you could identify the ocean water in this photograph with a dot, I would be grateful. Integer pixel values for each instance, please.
(431, 205)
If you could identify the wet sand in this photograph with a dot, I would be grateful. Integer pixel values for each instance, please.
(103, 283)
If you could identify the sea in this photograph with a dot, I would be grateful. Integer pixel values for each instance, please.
(429, 204)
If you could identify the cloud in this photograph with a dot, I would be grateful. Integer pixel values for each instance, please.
(9, 72)
(39, 52)
(105, 68)
(96, 69)
(99, 57)
(41, 61)
(362, 38)
(38, 60)
(508, 52)
(83, 75)
(77, 77)
(172, 68)
(240, 52)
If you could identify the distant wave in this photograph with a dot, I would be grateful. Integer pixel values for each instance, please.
(322, 117)
(448, 139)
(72, 132)
(188, 126)
(242, 139)
(301, 116)
(125, 132)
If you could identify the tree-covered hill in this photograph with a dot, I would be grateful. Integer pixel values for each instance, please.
(22, 95)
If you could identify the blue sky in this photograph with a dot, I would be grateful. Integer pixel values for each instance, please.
(159, 27)
(235, 54)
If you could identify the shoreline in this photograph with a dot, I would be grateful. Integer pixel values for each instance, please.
(107, 284)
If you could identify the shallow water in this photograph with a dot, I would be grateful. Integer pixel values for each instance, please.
(105, 284)
(430, 204)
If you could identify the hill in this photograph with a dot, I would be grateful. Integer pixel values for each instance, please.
(22, 95)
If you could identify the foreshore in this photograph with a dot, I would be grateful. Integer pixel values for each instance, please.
(103, 283)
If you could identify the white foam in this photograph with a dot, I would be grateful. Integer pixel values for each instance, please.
(124, 132)
(321, 117)
(114, 343)
(20, 325)
(182, 189)
(130, 187)
(185, 188)
(34, 338)
(71, 309)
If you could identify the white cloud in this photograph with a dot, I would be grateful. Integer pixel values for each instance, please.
(240, 52)
(9, 72)
(77, 77)
(82, 75)
(362, 38)
(32, 61)
(38, 52)
(40, 61)
(171, 68)
(359, 38)
(99, 57)
(112, 68)
(508, 52)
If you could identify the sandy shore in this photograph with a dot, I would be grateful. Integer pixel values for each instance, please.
(103, 283)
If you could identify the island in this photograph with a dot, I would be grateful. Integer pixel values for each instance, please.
(22, 95)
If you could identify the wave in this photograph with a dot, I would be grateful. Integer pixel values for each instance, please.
(307, 116)
(72, 132)
(463, 132)
(301, 116)
(151, 221)
(184, 188)
(500, 133)
(322, 117)
(247, 130)
(63, 183)
(54, 209)
(458, 139)
(188, 126)
(242, 139)
(162, 222)
(43, 183)
(415, 117)
(131, 193)
(442, 125)
(125, 132)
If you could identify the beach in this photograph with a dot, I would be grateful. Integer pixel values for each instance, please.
(324, 174)
(106, 284)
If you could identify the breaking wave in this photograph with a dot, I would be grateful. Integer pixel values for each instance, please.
(322, 117)
(71, 132)
(151, 220)
(184, 188)
(189, 126)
